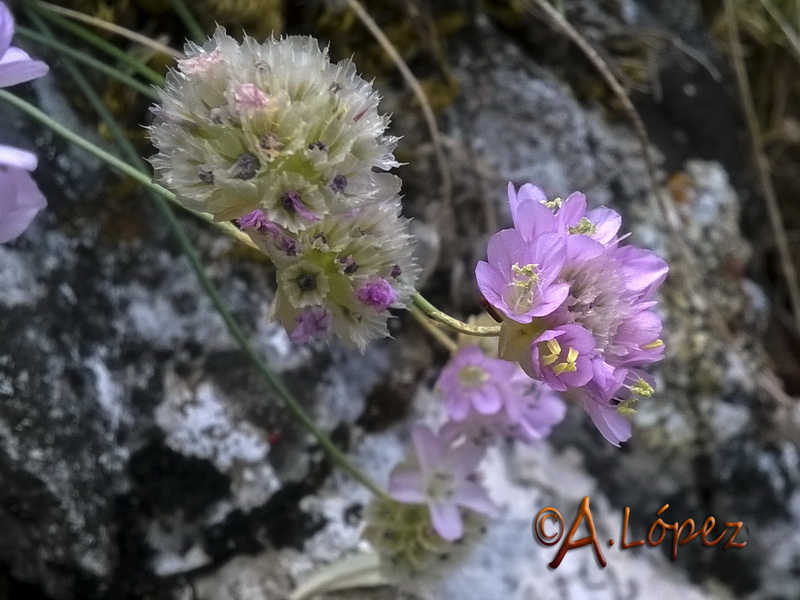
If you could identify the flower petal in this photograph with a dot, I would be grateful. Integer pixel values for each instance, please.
(446, 520)
(17, 67)
(474, 496)
(614, 427)
(406, 486)
(428, 447)
(15, 157)
(20, 201)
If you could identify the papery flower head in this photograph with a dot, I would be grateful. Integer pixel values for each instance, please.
(342, 275)
(407, 542)
(591, 343)
(443, 477)
(20, 198)
(274, 127)
(487, 398)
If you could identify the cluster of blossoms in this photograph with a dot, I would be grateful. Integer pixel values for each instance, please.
(292, 147)
(486, 399)
(20, 198)
(575, 304)
(576, 320)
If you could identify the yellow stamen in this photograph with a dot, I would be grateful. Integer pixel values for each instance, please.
(568, 366)
(555, 351)
(651, 345)
(584, 226)
(554, 203)
(527, 275)
(642, 388)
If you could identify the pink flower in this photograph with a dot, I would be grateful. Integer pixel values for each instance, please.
(444, 480)
(379, 294)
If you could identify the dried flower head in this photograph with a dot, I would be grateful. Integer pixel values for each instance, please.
(274, 127)
(407, 542)
(342, 275)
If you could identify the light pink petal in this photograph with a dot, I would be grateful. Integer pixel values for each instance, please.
(472, 495)
(490, 282)
(614, 427)
(406, 486)
(17, 67)
(20, 201)
(643, 270)
(428, 447)
(446, 520)
(606, 221)
(14, 157)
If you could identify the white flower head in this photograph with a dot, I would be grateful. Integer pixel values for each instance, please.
(274, 127)
(341, 275)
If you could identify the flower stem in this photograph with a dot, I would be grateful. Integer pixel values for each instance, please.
(447, 322)
(428, 325)
(231, 324)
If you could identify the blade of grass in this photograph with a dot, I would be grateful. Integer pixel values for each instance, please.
(95, 40)
(191, 24)
(67, 51)
(762, 163)
(113, 28)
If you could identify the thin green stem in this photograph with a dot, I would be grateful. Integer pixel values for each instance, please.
(231, 324)
(453, 324)
(84, 58)
(185, 15)
(95, 40)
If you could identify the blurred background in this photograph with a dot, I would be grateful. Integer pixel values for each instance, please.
(142, 457)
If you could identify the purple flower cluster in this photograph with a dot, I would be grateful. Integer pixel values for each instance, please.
(20, 198)
(575, 304)
(485, 399)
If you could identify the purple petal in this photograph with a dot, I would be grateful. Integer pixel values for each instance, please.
(446, 520)
(533, 219)
(428, 447)
(20, 201)
(457, 407)
(487, 401)
(550, 299)
(6, 28)
(14, 157)
(614, 427)
(572, 210)
(406, 486)
(463, 460)
(581, 248)
(606, 221)
(17, 67)
(642, 269)
(472, 495)
(505, 248)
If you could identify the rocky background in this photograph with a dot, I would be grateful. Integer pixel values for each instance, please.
(141, 456)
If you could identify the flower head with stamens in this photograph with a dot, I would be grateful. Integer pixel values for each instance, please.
(602, 329)
(444, 478)
(274, 127)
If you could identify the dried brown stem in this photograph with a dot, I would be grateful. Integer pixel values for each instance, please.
(762, 163)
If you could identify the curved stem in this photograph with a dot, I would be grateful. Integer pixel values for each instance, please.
(444, 320)
(428, 325)
(160, 195)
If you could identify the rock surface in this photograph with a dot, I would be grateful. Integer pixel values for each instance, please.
(142, 457)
